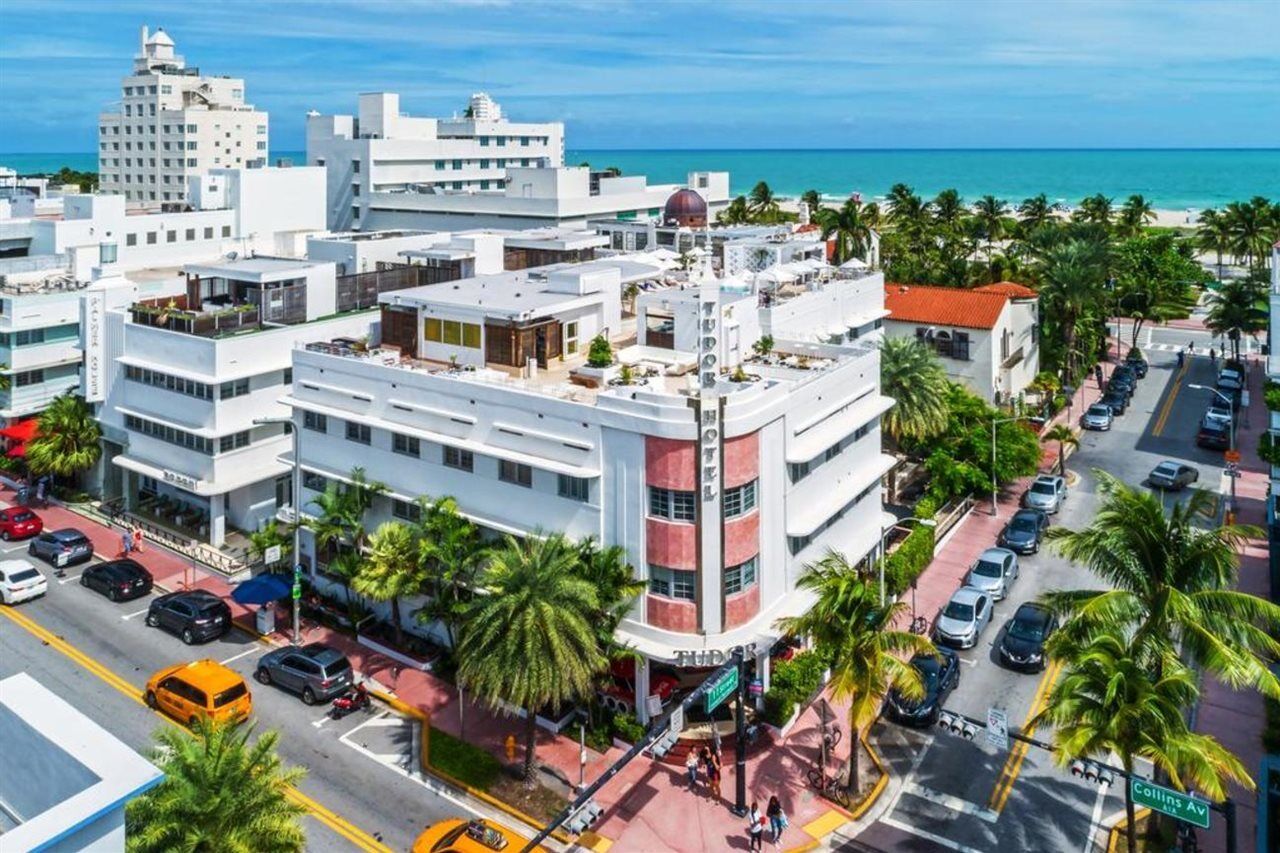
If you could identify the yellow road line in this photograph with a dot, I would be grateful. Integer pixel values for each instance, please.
(1168, 403)
(1013, 764)
(346, 829)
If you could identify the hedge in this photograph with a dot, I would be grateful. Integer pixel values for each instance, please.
(1271, 396)
(792, 682)
(1268, 450)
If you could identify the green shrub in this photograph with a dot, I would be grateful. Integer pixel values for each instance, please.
(599, 354)
(1271, 396)
(1268, 450)
(462, 761)
(793, 682)
(627, 728)
(599, 738)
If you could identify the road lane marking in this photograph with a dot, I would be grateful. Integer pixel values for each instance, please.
(929, 836)
(352, 833)
(1013, 765)
(956, 804)
(1173, 395)
(243, 654)
(69, 578)
(1095, 818)
(126, 617)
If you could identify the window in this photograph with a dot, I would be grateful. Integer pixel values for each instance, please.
(484, 164)
(315, 421)
(164, 90)
(131, 239)
(314, 482)
(191, 128)
(169, 434)
(226, 230)
(673, 583)
(740, 500)
(171, 236)
(457, 164)
(191, 161)
(355, 166)
(208, 233)
(452, 332)
(514, 472)
(453, 457)
(168, 382)
(237, 388)
(671, 504)
(574, 488)
(359, 433)
(405, 445)
(233, 441)
(151, 238)
(571, 337)
(287, 377)
(740, 577)
(28, 377)
(191, 233)
(405, 510)
(960, 346)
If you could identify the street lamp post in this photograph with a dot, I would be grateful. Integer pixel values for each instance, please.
(995, 422)
(1231, 433)
(297, 517)
(884, 532)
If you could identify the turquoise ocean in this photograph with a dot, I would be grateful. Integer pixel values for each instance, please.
(1170, 179)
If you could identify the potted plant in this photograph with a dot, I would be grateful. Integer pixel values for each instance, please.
(599, 370)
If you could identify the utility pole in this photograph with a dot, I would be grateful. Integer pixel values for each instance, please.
(297, 519)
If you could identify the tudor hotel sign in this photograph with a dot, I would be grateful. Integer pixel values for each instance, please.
(710, 434)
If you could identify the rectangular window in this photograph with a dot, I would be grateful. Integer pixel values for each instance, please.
(453, 457)
(171, 236)
(740, 577)
(740, 500)
(359, 433)
(131, 239)
(233, 441)
(514, 472)
(315, 421)
(960, 346)
(671, 504)
(226, 230)
(406, 445)
(151, 238)
(574, 488)
(314, 482)
(208, 233)
(191, 233)
(571, 337)
(405, 510)
(236, 388)
(673, 583)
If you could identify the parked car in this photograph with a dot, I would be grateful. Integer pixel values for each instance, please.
(202, 688)
(1047, 492)
(194, 615)
(940, 675)
(1230, 380)
(18, 522)
(1123, 382)
(21, 581)
(994, 572)
(1115, 401)
(1221, 410)
(964, 617)
(1136, 360)
(64, 547)
(620, 694)
(1172, 476)
(315, 671)
(1022, 646)
(118, 580)
(1214, 434)
(459, 835)
(1024, 531)
(1097, 417)
(1125, 372)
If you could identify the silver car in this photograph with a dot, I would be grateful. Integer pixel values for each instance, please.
(1171, 475)
(994, 572)
(1046, 493)
(1097, 417)
(315, 671)
(964, 617)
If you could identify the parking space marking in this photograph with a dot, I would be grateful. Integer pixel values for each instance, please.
(929, 836)
(429, 782)
(126, 617)
(947, 800)
(320, 722)
(243, 654)
(69, 578)
(372, 721)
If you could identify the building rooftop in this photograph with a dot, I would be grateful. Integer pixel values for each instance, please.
(1009, 288)
(259, 269)
(944, 306)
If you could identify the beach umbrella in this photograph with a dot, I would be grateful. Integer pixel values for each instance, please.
(263, 589)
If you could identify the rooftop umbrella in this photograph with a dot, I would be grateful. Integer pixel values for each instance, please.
(263, 589)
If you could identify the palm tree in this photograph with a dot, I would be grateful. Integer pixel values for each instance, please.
(1135, 213)
(948, 208)
(1035, 212)
(392, 570)
(1108, 701)
(220, 794)
(1095, 209)
(762, 203)
(1170, 583)
(868, 656)
(913, 377)
(1072, 274)
(1214, 235)
(990, 213)
(450, 552)
(906, 209)
(1066, 437)
(529, 640)
(1239, 307)
(5, 379)
(849, 227)
(68, 439)
(813, 198)
(735, 213)
(616, 586)
(339, 528)
(1250, 224)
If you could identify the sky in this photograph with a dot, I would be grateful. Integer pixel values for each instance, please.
(663, 74)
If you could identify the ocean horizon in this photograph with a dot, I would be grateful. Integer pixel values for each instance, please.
(1169, 178)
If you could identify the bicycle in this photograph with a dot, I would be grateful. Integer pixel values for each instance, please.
(832, 737)
(919, 625)
(830, 787)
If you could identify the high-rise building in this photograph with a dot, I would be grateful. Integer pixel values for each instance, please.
(172, 124)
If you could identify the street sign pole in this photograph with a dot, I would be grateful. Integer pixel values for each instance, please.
(740, 788)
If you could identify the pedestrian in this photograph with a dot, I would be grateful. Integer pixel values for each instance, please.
(137, 539)
(713, 775)
(126, 541)
(777, 818)
(1191, 347)
(755, 827)
(691, 769)
(41, 485)
(1213, 356)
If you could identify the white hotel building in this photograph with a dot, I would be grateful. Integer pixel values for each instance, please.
(173, 123)
(720, 491)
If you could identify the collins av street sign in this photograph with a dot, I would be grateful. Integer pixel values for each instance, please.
(1170, 802)
(722, 689)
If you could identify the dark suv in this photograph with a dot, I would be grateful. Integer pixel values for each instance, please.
(118, 580)
(315, 671)
(1214, 434)
(194, 615)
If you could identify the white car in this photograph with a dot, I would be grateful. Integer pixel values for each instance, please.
(21, 581)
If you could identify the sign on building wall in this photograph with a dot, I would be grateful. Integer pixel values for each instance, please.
(709, 450)
(92, 317)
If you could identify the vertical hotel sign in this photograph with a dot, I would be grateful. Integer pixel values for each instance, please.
(710, 434)
(92, 308)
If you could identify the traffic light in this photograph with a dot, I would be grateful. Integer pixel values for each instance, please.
(588, 814)
(1092, 771)
(957, 725)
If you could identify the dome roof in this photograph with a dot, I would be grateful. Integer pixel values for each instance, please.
(685, 207)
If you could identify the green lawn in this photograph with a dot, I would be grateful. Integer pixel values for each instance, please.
(462, 761)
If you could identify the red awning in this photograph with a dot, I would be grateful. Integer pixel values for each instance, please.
(21, 431)
(17, 450)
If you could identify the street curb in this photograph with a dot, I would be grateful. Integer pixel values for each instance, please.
(859, 809)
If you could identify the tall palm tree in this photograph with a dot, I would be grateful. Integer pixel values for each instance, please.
(735, 213)
(813, 198)
(1239, 307)
(1096, 209)
(450, 552)
(1214, 235)
(392, 570)
(1072, 274)
(848, 226)
(529, 640)
(762, 203)
(1035, 212)
(1170, 584)
(1066, 437)
(220, 794)
(338, 526)
(1108, 701)
(913, 377)
(990, 213)
(1135, 213)
(948, 208)
(868, 656)
(616, 586)
(907, 211)
(1249, 223)
(68, 439)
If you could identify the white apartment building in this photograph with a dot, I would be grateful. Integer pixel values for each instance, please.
(987, 337)
(392, 171)
(173, 123)
(720, 484)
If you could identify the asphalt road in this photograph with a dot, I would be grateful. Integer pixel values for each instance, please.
(357, 768)
(969, 796)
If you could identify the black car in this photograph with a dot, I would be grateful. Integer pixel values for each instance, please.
(1116, 401)
(1122, 384)
(1137, 363)
(940, 674)
(64, 547)
(1024, 531)
(1125, 372)
(118, 580)
(1022, 646)
(1214, 434)
(194, 615)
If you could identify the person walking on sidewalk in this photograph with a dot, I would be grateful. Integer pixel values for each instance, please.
(755, 827)
(137, 539)
(126, 541)
(691, 768)
(713, 773)
(777, 818)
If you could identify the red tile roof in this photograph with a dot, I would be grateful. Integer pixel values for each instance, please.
(1009, 288)
(944, 306)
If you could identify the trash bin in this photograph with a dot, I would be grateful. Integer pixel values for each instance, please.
(266, 619)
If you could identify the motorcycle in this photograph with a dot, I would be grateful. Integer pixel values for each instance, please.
(355, 699)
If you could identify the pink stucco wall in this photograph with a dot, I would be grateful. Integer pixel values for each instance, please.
(672, 614)
(739, 609)
(670, 543)
(741, 459)
(741, 538)
(670, 464)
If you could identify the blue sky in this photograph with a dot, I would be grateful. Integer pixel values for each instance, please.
(659, 74)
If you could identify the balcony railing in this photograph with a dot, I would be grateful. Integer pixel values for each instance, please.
(203, 323)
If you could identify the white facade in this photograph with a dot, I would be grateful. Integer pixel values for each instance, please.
(796, 439)
(173, 123)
